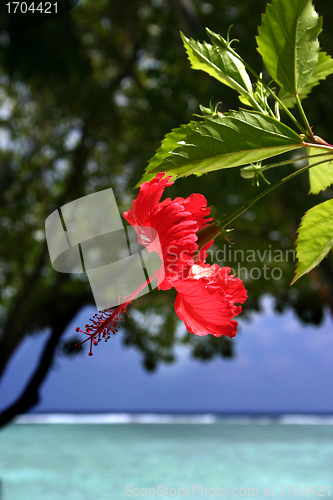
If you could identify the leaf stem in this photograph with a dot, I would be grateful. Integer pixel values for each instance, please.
(318, 145)
(304, 117)
(287, 162)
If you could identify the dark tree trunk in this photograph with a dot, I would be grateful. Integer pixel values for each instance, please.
(30, 395)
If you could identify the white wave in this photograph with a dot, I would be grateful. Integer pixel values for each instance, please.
(114, 418)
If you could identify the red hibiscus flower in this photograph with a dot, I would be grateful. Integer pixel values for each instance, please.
(207, 295)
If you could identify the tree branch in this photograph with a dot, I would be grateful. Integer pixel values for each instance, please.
(30, 395)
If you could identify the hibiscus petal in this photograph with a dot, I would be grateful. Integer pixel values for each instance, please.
(206, 303)
(147, 200)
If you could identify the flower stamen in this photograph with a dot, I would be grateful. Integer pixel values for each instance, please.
(102, 325)
(107, 321)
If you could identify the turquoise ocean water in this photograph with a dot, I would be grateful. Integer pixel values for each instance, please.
(119, 457)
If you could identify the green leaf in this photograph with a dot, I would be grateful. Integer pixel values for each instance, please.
(288, 42)
(169, 143)
(323, 69)
(315, 238)
(219, 63)
(321, 176)
(230, 140)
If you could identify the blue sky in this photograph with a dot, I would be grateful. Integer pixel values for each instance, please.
(280, 366)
